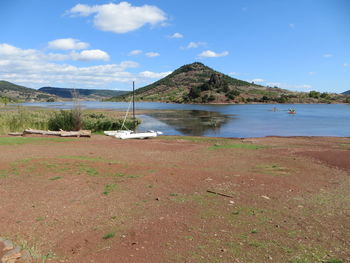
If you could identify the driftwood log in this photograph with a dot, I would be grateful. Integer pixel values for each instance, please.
(61, 133)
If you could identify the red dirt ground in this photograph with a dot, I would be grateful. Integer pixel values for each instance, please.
(108, 200)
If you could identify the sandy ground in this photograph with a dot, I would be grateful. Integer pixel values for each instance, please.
(101, 199)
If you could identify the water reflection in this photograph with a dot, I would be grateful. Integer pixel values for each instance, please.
(192, 122)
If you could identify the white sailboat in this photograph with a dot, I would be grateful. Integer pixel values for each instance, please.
(129, 134)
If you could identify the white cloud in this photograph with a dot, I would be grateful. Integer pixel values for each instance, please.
(312, 73)
(212, 54)
(8, 51)
(88, 55)
(327, 55)
(67, 44)
(292, 26)
(195, 45)
(154, 75)
(120, 18)
(176, 35)
(152, 54)
(33, 68)
(257, 80)
(135, 52)
(345, 64)
(299, 87)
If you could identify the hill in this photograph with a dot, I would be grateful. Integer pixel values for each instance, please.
(346, 92)
(15, 92)
(197, 83)
(88, 94)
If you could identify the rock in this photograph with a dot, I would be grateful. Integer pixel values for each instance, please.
(8, 245)
(12, 256)
(265, 197)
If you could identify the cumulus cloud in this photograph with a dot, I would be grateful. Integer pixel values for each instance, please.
(152, 54)
(194, 45)
(33, 68)
(88, 55)
(257, 80)
(9, 51)
(67, 44)
(176, 35)
(292, 26)
(154, 75)
(135, 52)
(120, 18)
(212, 54)
(345, 64)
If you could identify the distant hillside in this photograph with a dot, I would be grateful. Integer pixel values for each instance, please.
(95, 94)
(197, 83)
(19, 93)
(346, 92)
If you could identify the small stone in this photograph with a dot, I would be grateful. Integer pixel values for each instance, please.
(266, 197)
(8, 245)
(12, 255)
(232, 202)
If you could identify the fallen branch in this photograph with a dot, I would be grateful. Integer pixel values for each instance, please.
(216, 193)
(61, 133)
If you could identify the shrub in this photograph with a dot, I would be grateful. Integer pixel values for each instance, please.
(61, 120)
(347, 100)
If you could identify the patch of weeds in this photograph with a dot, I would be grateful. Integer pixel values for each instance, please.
(334, 261)
(109, 235)
(25, 140)
(118, 175)
(235, 213)
(83, 168)
(40, 218)
(235, 146)
(273, 169)
(254, 231)
(173, 194)
(134, 176)
(49, 255)
(55, 178)
(255, 243)
(189, 237)
(3, 174)
(109, 188)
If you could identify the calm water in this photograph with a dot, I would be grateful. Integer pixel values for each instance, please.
(233, 120)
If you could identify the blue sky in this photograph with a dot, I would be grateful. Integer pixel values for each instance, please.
(300, 45)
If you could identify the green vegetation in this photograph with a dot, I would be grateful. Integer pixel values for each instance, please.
(19, 93)
(25, 140)
(109, 188)
(20, 118)
(109, 235)
(347, 100)
(197, 83)
(55, 178)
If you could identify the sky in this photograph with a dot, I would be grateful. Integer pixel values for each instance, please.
(299, 45)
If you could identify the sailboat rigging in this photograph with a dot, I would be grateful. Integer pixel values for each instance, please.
(131, 134)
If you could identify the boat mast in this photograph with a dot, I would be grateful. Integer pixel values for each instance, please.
(133, 104)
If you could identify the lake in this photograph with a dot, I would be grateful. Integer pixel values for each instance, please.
(248, 120)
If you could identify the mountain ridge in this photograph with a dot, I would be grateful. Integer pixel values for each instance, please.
(198, 83)
(68, 93)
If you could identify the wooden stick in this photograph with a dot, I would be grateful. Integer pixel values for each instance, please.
(216, 193)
